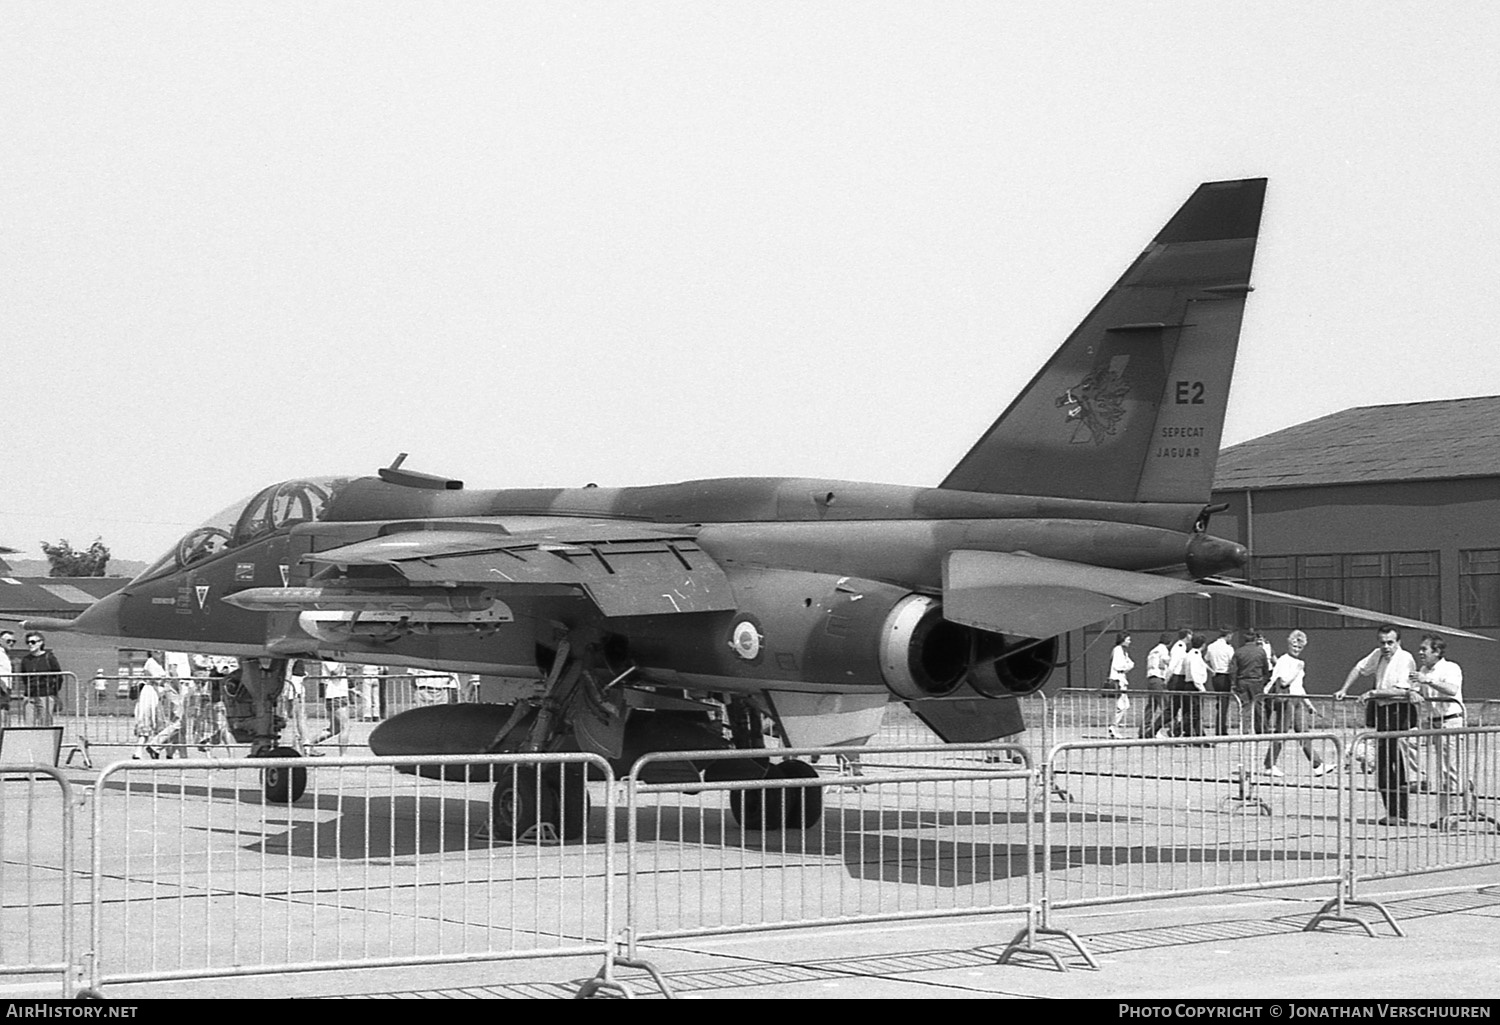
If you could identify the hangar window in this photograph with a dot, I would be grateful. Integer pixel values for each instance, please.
(1479, 587)
(1401, 583)
(1278, 573)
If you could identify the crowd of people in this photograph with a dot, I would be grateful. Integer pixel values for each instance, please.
(1269, 692)
(179, 705)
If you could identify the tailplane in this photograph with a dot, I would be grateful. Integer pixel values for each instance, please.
(1131, 407)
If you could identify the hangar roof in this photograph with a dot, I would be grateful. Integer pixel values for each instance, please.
(34, 595)
(1406, 441)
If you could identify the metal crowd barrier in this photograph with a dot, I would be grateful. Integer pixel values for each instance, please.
(36, 874)
(197, 876)
(101, 714)
(1450, 818)
(1149, 818)
(732, 854)
(377, 697)
(1083, 714)
(23, 712)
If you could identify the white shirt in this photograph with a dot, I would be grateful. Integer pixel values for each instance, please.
(1156, 662)
(178, 664)
(335, 683)
(153, 668)
(1196, 669)
(1443, 686)
(1390, 674)
(1220, 655)
(1120, 663)
(1290, 671)
(1176, 659)
(5, 670)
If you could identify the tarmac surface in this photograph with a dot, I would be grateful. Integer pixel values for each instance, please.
(1223, 947)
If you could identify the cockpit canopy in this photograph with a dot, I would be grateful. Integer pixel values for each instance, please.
(271, 509)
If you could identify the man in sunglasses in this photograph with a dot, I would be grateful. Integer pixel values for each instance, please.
(41, 678)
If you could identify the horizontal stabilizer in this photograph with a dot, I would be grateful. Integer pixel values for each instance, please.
(1025, 595)
(1034, 597)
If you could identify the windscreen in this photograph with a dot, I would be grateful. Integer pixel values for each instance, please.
(267, 511)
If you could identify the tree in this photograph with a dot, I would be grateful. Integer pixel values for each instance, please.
(69, 563)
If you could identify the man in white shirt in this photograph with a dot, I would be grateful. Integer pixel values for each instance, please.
(336, 700)
(1394, 710)
(1220, 656)
(1120, 665)
(1157, 660)
(1442, 684)
(7, 676)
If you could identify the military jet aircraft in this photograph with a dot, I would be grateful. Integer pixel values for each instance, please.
(684, 616)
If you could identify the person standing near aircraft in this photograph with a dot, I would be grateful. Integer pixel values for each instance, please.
(1442, 683)
(1195, 671)
(7, 671)
(1289, 710)
(168, 739)
(1394, 711)
(294, 702)
(1220, 655)
(1157, 660)
(1120, 665)
(42, 680)
(148, 719)
(1251, 671)
(336, 700)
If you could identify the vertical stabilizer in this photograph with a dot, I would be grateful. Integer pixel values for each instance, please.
(1131, 407)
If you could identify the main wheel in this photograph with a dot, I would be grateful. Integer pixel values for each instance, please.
(540, 804)
(284, 785)
(568, 784)
(776, 808)
(793, 807)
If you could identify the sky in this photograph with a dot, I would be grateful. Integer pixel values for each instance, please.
(555, 243)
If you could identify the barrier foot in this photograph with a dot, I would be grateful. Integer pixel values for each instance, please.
(604, 982)
(81, 749)
(1333, 911)
(1024, 942)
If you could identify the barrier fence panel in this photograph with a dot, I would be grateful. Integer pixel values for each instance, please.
(1129, 820)
(741, 853)
(22, 693)
(197, 875)
(378, 697)
(1084, 714)
(1443, 815)
(36, 874)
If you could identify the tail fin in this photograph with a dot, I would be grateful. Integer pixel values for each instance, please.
(1131, 407)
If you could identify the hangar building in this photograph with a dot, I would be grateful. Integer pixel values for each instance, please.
(1394, 508)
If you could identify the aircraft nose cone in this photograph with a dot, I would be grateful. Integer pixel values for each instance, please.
(1208, 555)
(101, 619)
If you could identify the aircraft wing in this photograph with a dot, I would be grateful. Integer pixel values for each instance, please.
(627, 569)
(1016, 593)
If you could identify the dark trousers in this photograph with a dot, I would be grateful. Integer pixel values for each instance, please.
(1221, 683)
(1390, 766)
(1173, 710)
(1156, 702)
(1185, 704)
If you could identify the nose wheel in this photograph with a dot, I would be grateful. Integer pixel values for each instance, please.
(283, 785)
